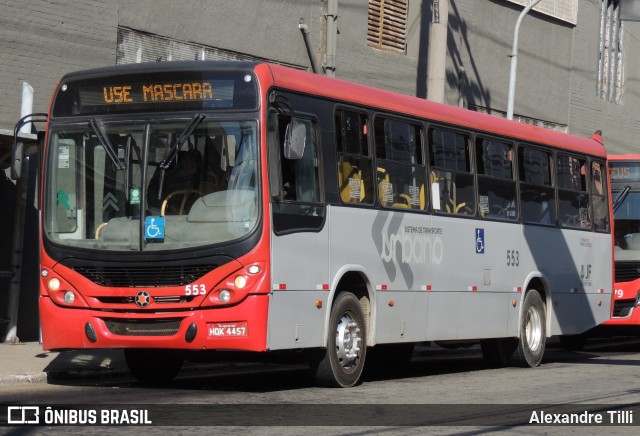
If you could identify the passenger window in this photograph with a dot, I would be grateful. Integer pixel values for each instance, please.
(298, 203)
(537, 197)
(355, 179)
(573, 199)
(599, 200)
(400, 172)
(496, 186)
(452, 185)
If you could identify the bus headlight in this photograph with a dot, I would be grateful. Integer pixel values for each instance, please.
(224, 295)
(240, 282)
(54, 284)
(69, 297)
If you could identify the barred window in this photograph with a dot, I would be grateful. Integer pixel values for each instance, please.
(387, 25)
(610, 59)
(135, 46)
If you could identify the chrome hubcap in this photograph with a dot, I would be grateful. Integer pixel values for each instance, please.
(533, 329)
(348, 341)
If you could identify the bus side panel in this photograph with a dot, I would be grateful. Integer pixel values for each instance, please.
(400, 316)
(578, 279)
(300, 277)
(294, 319)
(482, 264)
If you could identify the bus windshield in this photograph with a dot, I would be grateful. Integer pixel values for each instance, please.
(627, 227)
(151, 186)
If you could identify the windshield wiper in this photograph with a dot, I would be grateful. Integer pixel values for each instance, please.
(620, 198)
(180, 139)
(106, 144)
(176, 146)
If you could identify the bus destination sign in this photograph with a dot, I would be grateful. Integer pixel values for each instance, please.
(625, 171)
(156, 92)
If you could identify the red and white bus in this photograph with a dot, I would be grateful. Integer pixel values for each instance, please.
(624, 172)
(248, 206)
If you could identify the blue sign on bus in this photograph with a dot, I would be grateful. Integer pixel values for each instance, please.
(480, 241)
(154, 227)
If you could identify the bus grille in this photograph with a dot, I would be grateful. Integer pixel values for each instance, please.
(623, 308)
(143, 276)
(159, 300)
(143, 327)
(627, 271)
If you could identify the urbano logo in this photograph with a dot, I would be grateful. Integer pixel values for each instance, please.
(23, 415)
(402, 247)
(415, 245)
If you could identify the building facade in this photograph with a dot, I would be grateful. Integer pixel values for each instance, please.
(577, 71)
(578, 67)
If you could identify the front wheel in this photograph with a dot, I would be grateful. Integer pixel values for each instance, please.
(153, 366)
(341, 363)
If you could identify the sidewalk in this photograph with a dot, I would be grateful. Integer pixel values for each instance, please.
(29, 363)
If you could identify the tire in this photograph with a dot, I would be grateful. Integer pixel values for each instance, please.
(153, 366)
(342, 362)
(532, 333)
(528, 349)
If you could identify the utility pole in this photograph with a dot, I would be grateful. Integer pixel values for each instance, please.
(332, 33)
(437, 59)
(514, 59)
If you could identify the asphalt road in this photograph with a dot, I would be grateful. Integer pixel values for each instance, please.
(438, 392)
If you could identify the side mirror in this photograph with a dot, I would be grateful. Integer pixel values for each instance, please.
(294, 140)
(17, 155)
(17, 152)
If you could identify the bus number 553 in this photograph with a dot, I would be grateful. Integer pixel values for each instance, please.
(195, 289)
(513, 258)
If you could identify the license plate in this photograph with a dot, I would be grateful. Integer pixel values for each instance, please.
(226, 329)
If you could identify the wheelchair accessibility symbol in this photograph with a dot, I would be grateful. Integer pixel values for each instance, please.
(154, 227)
(480, 241)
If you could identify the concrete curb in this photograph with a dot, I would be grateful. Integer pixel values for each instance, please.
(23, 379)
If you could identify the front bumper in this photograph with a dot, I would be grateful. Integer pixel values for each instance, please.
(75, 328)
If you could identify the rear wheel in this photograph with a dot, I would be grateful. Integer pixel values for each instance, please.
(341, 363)
(528, 348)
(533, 331)
(152, 366)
